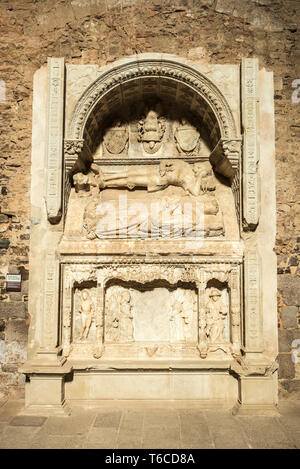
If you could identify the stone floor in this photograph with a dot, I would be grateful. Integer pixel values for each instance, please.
(159, 425)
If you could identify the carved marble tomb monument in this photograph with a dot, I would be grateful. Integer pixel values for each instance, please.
(152, 271)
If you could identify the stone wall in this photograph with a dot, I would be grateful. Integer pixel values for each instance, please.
(101, 31)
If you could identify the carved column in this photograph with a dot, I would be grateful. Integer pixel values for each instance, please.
(56, 74)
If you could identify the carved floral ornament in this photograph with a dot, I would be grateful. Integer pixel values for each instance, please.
(148, 273)
(156, 68)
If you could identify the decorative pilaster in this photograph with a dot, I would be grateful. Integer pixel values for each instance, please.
(235, 311)
(56, 74)
(99, 322)
(202, 339)
(250, 123)
(67, 313)
(253, 313)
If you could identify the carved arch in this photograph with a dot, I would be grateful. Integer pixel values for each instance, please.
(159, 66)
(119, 79)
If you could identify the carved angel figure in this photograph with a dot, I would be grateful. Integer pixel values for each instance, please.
(87, 310)
(216, 313)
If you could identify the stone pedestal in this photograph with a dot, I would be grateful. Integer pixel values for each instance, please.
(45, 386)
(257, 396)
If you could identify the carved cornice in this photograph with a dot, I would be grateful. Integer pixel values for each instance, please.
(97, 261)
(142, 68)
(244, 369)
(145, 273)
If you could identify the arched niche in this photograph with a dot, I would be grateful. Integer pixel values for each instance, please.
(172, 81)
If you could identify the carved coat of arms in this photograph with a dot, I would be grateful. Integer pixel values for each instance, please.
(151, 131)
(116, 139)
(187, 138)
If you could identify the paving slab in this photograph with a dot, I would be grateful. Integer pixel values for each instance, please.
(43, 440)
(108, 419)
(100, 437)
(266, 433)
(150, 427)
(10, 409)
(17, 437)
(27, 421)
(226, 431)
(74, 424)
(194, 430)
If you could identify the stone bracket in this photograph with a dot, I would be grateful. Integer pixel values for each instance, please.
(225, 157)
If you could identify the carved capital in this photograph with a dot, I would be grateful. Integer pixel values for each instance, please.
(241, 368)
(72, 150)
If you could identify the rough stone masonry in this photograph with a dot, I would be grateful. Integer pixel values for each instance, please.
(102, 31)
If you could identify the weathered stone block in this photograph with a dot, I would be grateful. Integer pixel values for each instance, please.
(295, 334)
(16, 331)
(291, 386)
(12, 309)
(285, 340)
(15, 296)
(289, 287)
(224, 6)
(286, 366)
(2, 351)
(289, 316)
(4, 243)
(16, 353)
